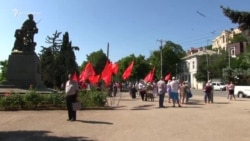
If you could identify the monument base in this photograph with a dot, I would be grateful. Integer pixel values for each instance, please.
(24, 70)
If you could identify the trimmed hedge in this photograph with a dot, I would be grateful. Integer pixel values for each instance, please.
(32, 100)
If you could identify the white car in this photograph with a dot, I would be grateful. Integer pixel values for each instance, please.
(242, 91)
(220, 86)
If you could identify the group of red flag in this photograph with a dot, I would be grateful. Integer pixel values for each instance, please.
(88, 73)
(150, 76)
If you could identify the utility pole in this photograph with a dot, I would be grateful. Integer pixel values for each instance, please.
(161, 41)
(229, 57)
(207, 61)
(108, 51)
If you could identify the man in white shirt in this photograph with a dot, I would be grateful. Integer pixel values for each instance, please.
(174, 84)
(71, 90)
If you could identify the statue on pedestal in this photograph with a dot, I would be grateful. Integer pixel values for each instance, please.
(25, 36)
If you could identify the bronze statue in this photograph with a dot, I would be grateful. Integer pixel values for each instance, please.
(25, 36)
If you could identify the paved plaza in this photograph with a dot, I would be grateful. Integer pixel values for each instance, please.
(135, 120)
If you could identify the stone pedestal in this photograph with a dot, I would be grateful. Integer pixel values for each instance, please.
(24, 70)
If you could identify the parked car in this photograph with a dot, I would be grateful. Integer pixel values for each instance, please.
(242, 91)
(219, 86)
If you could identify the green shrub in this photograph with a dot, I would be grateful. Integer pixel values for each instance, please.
(56, 99)
(92, 98)
(33, 100)
(12, 102)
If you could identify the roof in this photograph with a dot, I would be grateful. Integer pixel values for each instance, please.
(199, 53)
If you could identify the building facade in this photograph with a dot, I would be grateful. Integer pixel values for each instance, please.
(190, 66)
(221, 41)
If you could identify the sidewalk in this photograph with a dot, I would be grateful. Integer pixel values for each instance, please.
(134, 120)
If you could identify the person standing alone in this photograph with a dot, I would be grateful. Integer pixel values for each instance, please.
(71, 90)
(161, 88)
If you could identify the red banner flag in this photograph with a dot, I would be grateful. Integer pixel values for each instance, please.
(87, 72)
(94, 79)
(107, 73)
(115, 68)
(168, 77)
(150, 76)
(128, 71)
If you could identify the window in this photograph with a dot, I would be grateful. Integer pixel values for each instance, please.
(232, 51)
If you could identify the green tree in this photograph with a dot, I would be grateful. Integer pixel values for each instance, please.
(3, 72)
(58, 60)
(98, 59)
(171, 59)
(240, 17)
(48, 67)
(66, 60)
(142, 68)
(201, 74)
(48, 57)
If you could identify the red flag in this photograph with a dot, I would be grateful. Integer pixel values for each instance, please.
(107, 73)
(150, 76)
(75, 77)
(168, 77)
(128, 71)
(115, 68)
(94, 79)
(87, 72)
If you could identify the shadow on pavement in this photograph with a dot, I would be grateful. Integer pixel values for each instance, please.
(142, 107)
(95, 122)
(36, 136)
(128, 99)
(195, 102)
(221, 103)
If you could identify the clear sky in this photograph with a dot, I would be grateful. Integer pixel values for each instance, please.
(130, 26)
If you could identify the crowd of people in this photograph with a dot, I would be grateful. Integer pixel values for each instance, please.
(178, 93)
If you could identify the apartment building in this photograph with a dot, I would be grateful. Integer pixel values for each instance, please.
(223, 39)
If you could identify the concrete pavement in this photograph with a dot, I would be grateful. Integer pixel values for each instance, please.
(134, 120)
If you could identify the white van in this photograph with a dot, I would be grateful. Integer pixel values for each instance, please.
(219, 86)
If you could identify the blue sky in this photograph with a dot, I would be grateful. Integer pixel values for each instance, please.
(130, 26)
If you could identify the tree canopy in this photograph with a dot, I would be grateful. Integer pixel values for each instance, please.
(240, 17)
(57, 60)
